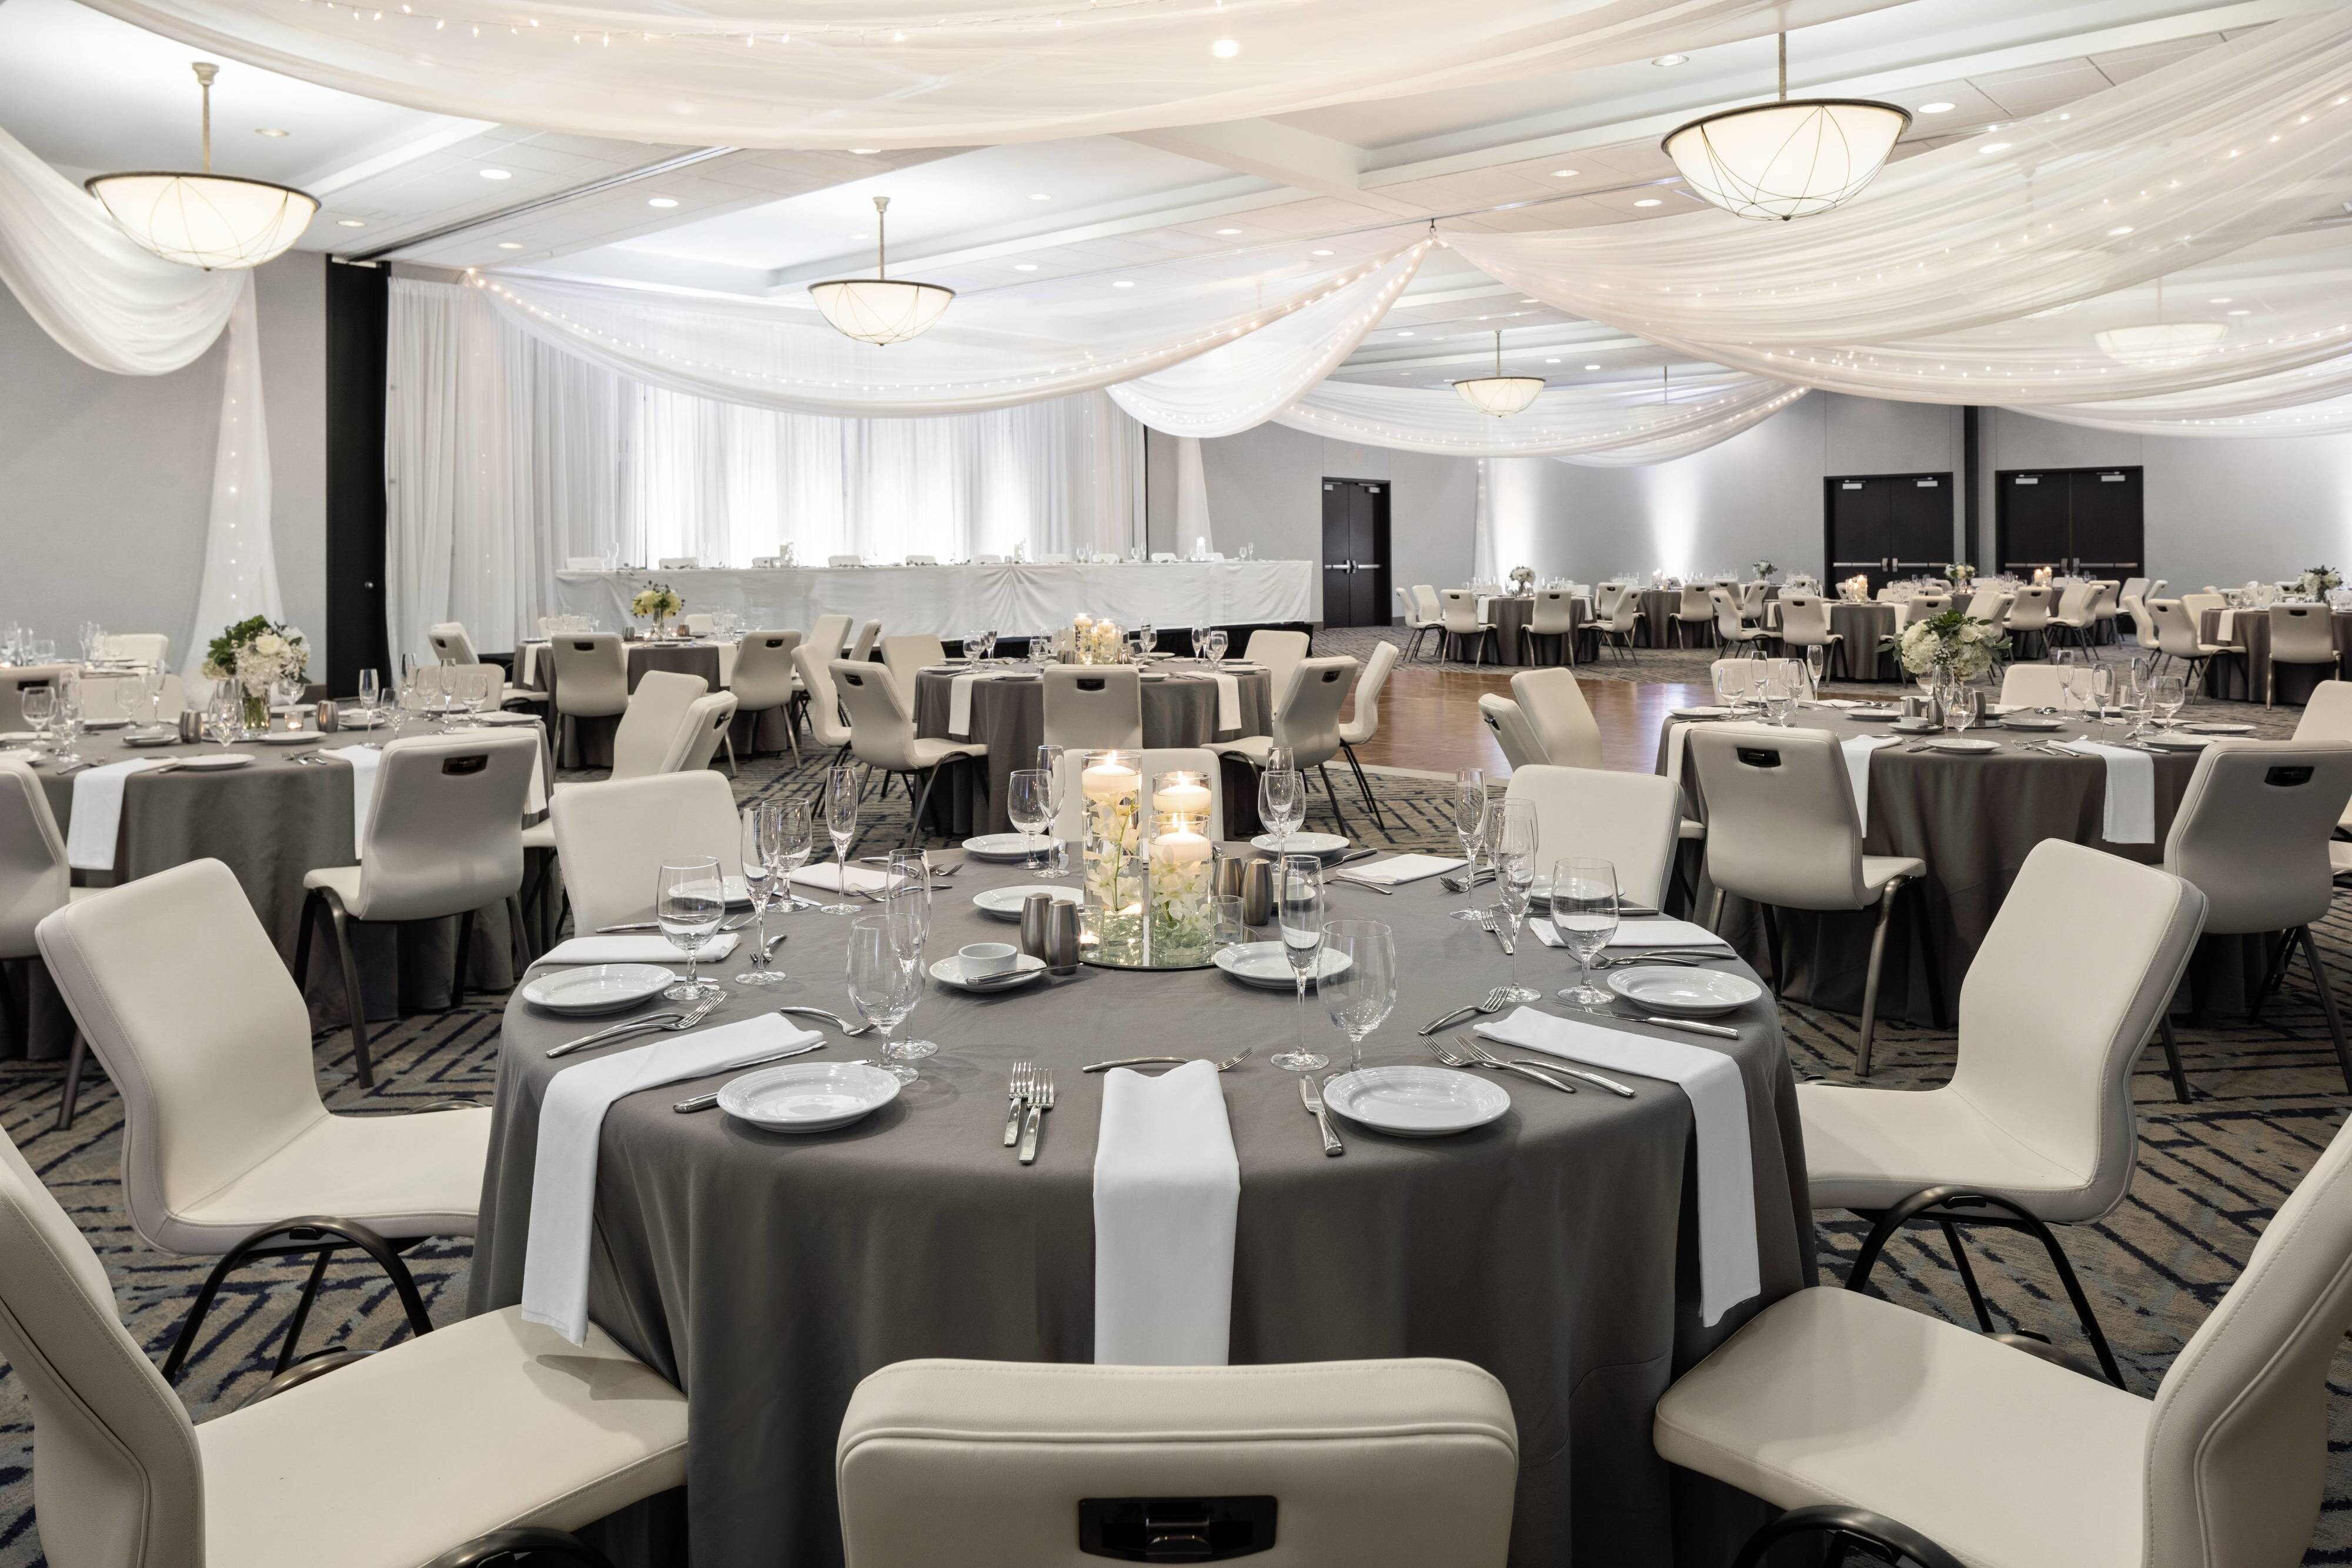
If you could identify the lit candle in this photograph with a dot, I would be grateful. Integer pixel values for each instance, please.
(1181, 848)
(1107, 780)
(1182, 793)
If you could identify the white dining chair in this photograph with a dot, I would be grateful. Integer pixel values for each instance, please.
(1070, 815)
(1278, 652)
(2198, 603)
(1730, 629)
(706, 727)
(2178, 639)
(2030, 613)
(2252, 832)
(20, 678)
(591, 681)
(934, 560)
(1615, 623)
(906, 653)
(1422, 617)
(882, 736)
(680, 563)
(2036, 1125)
(36, 880)
(1308, 726)
(1783, 832)
(1335, 1464)
(1805, 623)
(2301, 635)
(1364, 722)
(1094, 708)
(763, 683)
(699, 626)
(1633, 819)
(1752, 599)
(653, 731)
(829, 637)
(122, 696)
(1464, 627)
(153, 649)
(826, 726)
(1504, 719)
(615, 837)
(228, 1149)
(1553, 615)
(451, 644)
(1990, 605)
(443, 837)
(1696, 610)
(1900, 1429)
(1561, 721)
(862, 649)
(2034, 686)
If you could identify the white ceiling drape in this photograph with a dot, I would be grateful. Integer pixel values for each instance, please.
(1612, 424)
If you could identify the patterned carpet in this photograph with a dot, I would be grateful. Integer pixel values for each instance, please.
(2210, 1174)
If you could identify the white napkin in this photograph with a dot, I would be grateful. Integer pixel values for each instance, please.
(2226, 626)
(1406, 868)
(1644, 932)
(650, 949)
(1857, 766)
(97, 813)
(365, 760)
(826, 874)
(2130, 812)
(571, 1120)
(1728, 1269)
(1229, 701)
(959, 704)
(1167, 1189)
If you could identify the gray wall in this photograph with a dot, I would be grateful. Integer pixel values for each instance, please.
(106, 480)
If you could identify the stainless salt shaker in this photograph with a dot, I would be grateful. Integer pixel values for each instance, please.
(1037, 935)
(1062, 938)
(1230, 871)
(1257, 892)
(327, 715)
(191, 727)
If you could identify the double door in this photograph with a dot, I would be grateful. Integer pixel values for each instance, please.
(1887, 526)
(1356, 553)
(2075, 521)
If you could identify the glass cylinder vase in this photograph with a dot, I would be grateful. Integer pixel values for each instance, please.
(1111, 922)
(1181, 877)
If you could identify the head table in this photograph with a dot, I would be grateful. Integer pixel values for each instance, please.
(767, 1274)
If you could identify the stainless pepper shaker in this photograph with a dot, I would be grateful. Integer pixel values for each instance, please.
(191, 727)
(1036, 933)
(1257, 892)
(327, 717)
(1062, 938)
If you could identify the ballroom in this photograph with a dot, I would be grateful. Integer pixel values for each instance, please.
(771, 772)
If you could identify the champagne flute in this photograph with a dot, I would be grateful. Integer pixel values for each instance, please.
(882, 990)
(1470, 827)
(796, 840)
(1361, 997)
(1515, 882)
(842, 787)
(1057, 853)
(760, 855)
(1029, 802)
(1816, 663)
(1298, 905)
(689, 901)
(371, 690)
(1584, 913)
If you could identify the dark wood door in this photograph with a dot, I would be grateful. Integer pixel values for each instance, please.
(1919, 524)
(1355, 553)
(2108, 527)
(1884, 526)
(2071, 520)
(1861, 523)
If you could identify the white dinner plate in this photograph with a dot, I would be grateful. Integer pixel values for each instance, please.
(2035, 722)
(1702, 712)
(167, 735)
(1004, 903)
(1264, 965)
(808, 1096)
(1671, 989)
(1873, 713)
(1415, 1102)
(106, 724)
(595, 989)
(290, 737)
(213, 761)
(1006, 846)
(359, 721)
(1323, 844)
(1914, 727)
(1964, 747)
(19, 736)
(948, 971)
(2181, 742)
(503, 717)
(2219, 729)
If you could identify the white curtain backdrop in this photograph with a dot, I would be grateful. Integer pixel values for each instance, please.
(506, 457)
(1608, 425)
(240, 575)
(1194, 530)
(932, 73)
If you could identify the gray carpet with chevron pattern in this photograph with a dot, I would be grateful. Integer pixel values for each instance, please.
(2210, 1174)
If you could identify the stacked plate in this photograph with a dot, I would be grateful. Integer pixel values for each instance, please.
(808, 1096)
(1265, 966)
(1325, 846)
(948, 971)
(1004, 903)
(593, 989)
(1415, 1102)
(1006, 846)
(1691, 992)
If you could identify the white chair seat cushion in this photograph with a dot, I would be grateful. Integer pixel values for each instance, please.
(1872, 1148)
(540, 835)
(1258, 748)
(342, 880)
(932, 753)
(2000, 1457)
(1877, 871)
(404, 1175)
(484, 1424)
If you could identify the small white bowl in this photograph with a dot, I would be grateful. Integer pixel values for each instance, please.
(985, 960)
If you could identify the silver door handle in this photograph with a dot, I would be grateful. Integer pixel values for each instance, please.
(1368, 565)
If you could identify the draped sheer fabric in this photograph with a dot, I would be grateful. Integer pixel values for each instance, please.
(1613, 424)
(750, 73)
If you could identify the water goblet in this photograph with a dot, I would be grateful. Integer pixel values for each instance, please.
(1361, 997)
(2166, 696)
(40, 706)
(1584, 912)
(1298, 910)
(690, 902)
(883, 991)
(1029, 802)
(1282, 802)
(371, 691)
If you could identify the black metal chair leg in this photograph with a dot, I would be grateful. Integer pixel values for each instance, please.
(2282, 954)
(73, 1081)
(1364, 785)
(352, 1002)
(302, 1309)
(1968, 1276)
(2326, 1003)
(1841, 1524)
(302, 939)
(301, 1233)
(1333, 795)
(2172, 1057)
(915, 828)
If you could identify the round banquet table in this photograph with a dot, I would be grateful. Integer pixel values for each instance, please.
(1862, 627)
(766, 1273)
(1973, 819)
(1008, 716)
(590, 740)
(1510, 615)
(270, 822)
(2243, 674)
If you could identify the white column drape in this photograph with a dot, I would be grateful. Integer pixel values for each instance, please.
(240, 574)
(1195, 528)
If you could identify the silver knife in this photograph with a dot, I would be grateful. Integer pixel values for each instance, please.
(1360, 881)
(1608, 1083)
(1313, 1098)
(1716, 1029)
(705, 1102)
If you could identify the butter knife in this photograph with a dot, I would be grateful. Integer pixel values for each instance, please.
(1313, 1099)
(1716, 1029)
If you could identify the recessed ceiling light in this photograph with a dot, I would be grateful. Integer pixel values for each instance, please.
(1592, 367)
(508, 244)
(1934, 109)
(494, 175)
(1123, 283)
(661, 201)
(1318, 252)
(2223, 299)
(1406, 333)
(2118, 232)
(269, 130)
(1225, 48)
(1039, 196)
(1992, 147)
(865, 152)
(1564, 173)
(1229, 231)
(1024, 266)
(1671, 60)
(1647, 202)
(353, 223)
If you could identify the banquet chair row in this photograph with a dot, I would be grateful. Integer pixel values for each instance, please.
(880, 716)
(1425, 614)
(1731, 627)
(35, 881)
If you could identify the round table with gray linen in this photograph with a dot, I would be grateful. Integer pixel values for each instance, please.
(766, 1274)
(1510, 615)
(2243, 671)
(1008, 716)
(588, 742)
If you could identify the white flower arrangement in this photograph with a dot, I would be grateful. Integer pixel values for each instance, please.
(1096, 642)
(2318, 579)
(1522, 579)
(1951, 643)
(257, 654)
(1962, 573)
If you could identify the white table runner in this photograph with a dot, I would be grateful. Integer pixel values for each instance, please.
(97, 812)
(960, 701)
(1167, 1191)
(2226, 627)
(2128, 815)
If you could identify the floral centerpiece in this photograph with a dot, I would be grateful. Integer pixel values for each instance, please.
(1952, 647)
(658, 602)
(2318, 579)
(1854, 589)
(1111, 859)
(1764, 570)
(255, 655)
(1094, 642)
(1523, 577)
(1962, 573)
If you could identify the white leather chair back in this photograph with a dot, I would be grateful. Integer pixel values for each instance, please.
(1426, 601)
(444, 832)
(1070, 817)
(2143, 623)
(829, 636)
(1696, 605)
(2176, 628)
(763, 669)
(2075, 603)
(649, 737)
(1365, 721)
(614, 838)
(863, 649)
(449, 673)
(1629, 818)
(1752, 601)
(1924, 605)
(2328, 715)
(183, 997)
(591, 674)
(2237, 1451)
(151, 648)
(1462, 618)
(2252, 832)
(2154, 590)
(1554, 615)
(107, 695)
(1370, 1464)
(825, 703)
(450, 642)
(35, 877)
(2198, 603)
(1279, 651)
(1804, 619)
(698, 625)
(1625, 614)
(1780, 823)
(881, 720)
(1509, 726)
(1989, 604)
(2134, 588)
(701, 731)
(1310, 723)
(904, 654)
(12, 681)
(1606, 597)
(2301, 635)
(1094, 708)
(2030, 610)
(2031, 686)
(1416, 602)
(1558, 718)
(1727, 613)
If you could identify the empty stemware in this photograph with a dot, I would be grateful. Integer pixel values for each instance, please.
(1361, 997)
(843, 785)
(1515, 878)
(1584, 913)
(761, 855)
(883, 991)
(690, 902)
(1029, 802)
(1470, 806)
(1298, 907)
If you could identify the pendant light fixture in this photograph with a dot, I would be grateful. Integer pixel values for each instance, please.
(1788, 159)
(1499, 395)
(2161, 343)
(881, 309)
(208, 220)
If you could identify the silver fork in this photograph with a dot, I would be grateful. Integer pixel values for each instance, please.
(1495, 1001)
(1471, 1044)
(1017, 1097)
(676, 1021)
(835, 1019)
(1041, 1100)
(1455, 1058)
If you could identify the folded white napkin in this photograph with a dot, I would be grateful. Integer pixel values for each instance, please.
(959, 704)
(2226, 626)
(1229, 701)
(570, 1122)
(97, 813)
(1728, 1269)
(1857, 751)
(1406, 868)
(365, 760)
(1167, 1189)
(1645, 933)
(826, 874)
(2128, 812)
(649, 948)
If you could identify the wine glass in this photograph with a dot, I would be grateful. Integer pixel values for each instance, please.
(1200, 640)
(224, 714)
(1219, 640)
(1029, 802)
(2165, 693)
(1359, 997)
(39, 705)
(1584, 913)
(1514, 881)
(474, 692)
(64, 723)
(1298, 907)
(371, 692)
(882, 990)
(1056, 853)
(689, 901)
(1779, 700)
(907, 906)
(1470, 827)
(1148, 637)
(1816, 658)
(764, 879)
(1282, 802)
(842, 787)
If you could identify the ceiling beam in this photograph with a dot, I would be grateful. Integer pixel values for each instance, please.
(1318, 165)
(539, 203)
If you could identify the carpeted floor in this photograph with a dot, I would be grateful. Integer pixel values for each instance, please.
(2210, 1174)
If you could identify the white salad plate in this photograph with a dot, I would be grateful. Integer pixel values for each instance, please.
(595, 989)
(2181, 742)
(1961, 745)
(2219, 729)
(1671, 989)
(1702, 712)
(213, 762)
(1323, 844)
(1004, 903)
(290, 737)
(808, 1096)
(1262, 964)
(1415, 1102)
(948, 971)
(1006, 846)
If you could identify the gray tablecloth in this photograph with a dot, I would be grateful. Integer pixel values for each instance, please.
(2244, 673)
(1510, 615)
(766, 1274)
(269, 823)
(1973, 819)
(1656, 627)
(1008, 716)
(588, 742)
